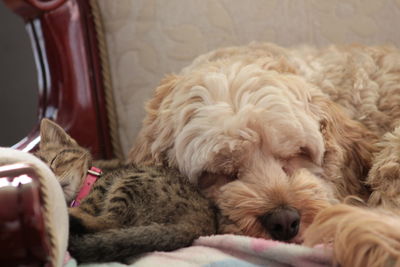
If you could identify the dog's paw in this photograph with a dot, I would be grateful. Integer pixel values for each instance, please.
(359, 236)
(385, 200)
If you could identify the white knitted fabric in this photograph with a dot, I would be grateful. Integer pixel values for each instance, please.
(56, 214)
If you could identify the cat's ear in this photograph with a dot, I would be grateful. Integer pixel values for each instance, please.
(51, 132)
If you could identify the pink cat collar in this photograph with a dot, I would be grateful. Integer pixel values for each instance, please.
(92, 176)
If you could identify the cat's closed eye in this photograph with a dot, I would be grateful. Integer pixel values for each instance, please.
(64, 185)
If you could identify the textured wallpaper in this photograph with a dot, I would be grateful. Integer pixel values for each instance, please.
(149, 38)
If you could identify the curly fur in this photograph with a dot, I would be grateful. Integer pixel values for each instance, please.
(360, 237)
(259, 127)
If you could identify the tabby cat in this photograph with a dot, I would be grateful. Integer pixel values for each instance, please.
(130, 209)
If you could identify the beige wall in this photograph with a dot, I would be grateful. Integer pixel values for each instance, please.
(149, 38)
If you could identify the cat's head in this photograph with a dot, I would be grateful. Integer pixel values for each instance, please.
(64, 156)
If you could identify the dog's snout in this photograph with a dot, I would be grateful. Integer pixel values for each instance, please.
(282, 224)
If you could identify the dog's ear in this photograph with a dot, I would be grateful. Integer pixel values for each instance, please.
(156, 135)
(349, 146)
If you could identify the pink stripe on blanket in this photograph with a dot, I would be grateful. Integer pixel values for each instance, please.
(260, 245)
(67, 258)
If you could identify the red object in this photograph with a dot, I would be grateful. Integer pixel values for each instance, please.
(71, 89)
(91, 178)
(23, 237)
(71, 93)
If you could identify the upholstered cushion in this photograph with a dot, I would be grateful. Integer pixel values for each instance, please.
(148, 38)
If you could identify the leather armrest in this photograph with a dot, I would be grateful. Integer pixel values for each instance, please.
(71, 89)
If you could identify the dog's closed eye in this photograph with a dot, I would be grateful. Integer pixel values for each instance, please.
(233, 176)
(301, 159)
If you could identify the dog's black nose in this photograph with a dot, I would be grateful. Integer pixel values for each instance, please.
(282, 224)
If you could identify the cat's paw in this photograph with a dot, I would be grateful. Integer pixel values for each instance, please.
(76, 226)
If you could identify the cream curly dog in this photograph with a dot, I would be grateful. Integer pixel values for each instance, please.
(279, 137)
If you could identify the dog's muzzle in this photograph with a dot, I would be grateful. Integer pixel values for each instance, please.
(282, 224)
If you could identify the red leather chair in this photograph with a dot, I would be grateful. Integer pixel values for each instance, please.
(73, 92)
(72, 87)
